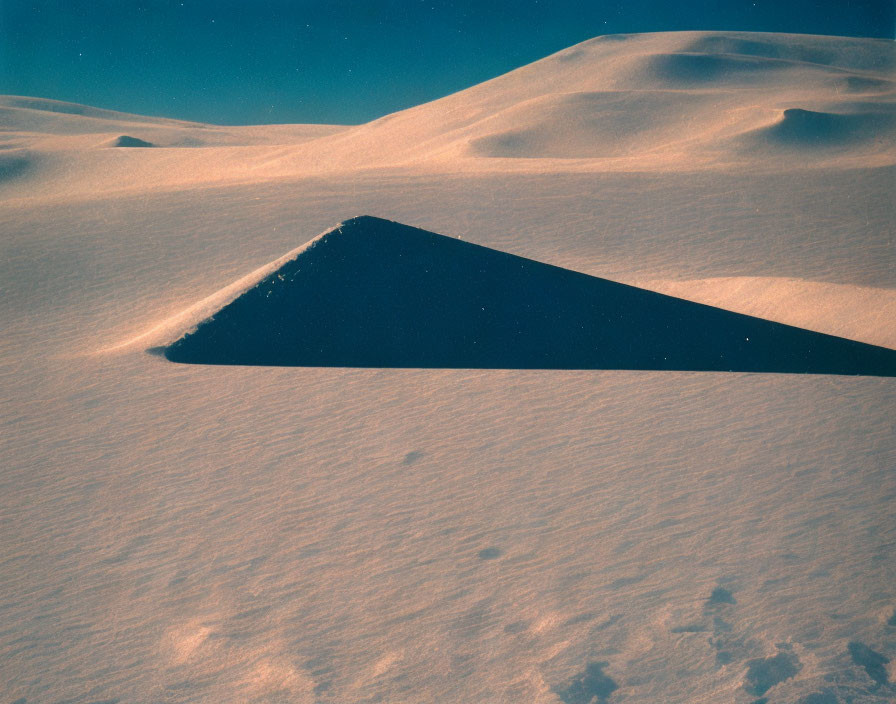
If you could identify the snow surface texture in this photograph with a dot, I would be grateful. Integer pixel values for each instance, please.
(181, 533)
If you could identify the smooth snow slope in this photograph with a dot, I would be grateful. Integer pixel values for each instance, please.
(178, 533)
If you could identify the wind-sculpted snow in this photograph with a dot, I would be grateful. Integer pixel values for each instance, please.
(814, 130)
(195, 534)
(375, 293)
(660, 103)
(128, 141)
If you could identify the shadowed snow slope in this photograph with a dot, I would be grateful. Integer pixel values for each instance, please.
(126, 141)
(812, 129)
(375, 293)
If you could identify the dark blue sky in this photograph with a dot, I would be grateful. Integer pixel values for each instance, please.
(339, 61)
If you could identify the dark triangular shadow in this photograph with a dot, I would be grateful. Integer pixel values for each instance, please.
(375, 293)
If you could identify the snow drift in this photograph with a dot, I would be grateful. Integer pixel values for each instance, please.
(375, 293)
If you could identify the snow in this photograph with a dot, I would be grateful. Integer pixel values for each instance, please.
(184, 533)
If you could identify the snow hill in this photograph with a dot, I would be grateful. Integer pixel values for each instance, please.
(677, 101)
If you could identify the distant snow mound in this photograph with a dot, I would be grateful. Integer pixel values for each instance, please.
(126, 141)
(60, 107)
(375, 293)
(656, 102)
(819, 130)
(673, 100)
(55, 106)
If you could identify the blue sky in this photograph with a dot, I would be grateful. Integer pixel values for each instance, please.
(339, 61)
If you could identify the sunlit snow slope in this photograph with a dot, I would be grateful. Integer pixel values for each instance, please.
(191, 533)
(678, 101)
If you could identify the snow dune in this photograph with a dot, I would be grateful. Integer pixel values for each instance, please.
(871, 129)
(680, 101)
(375, 293)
